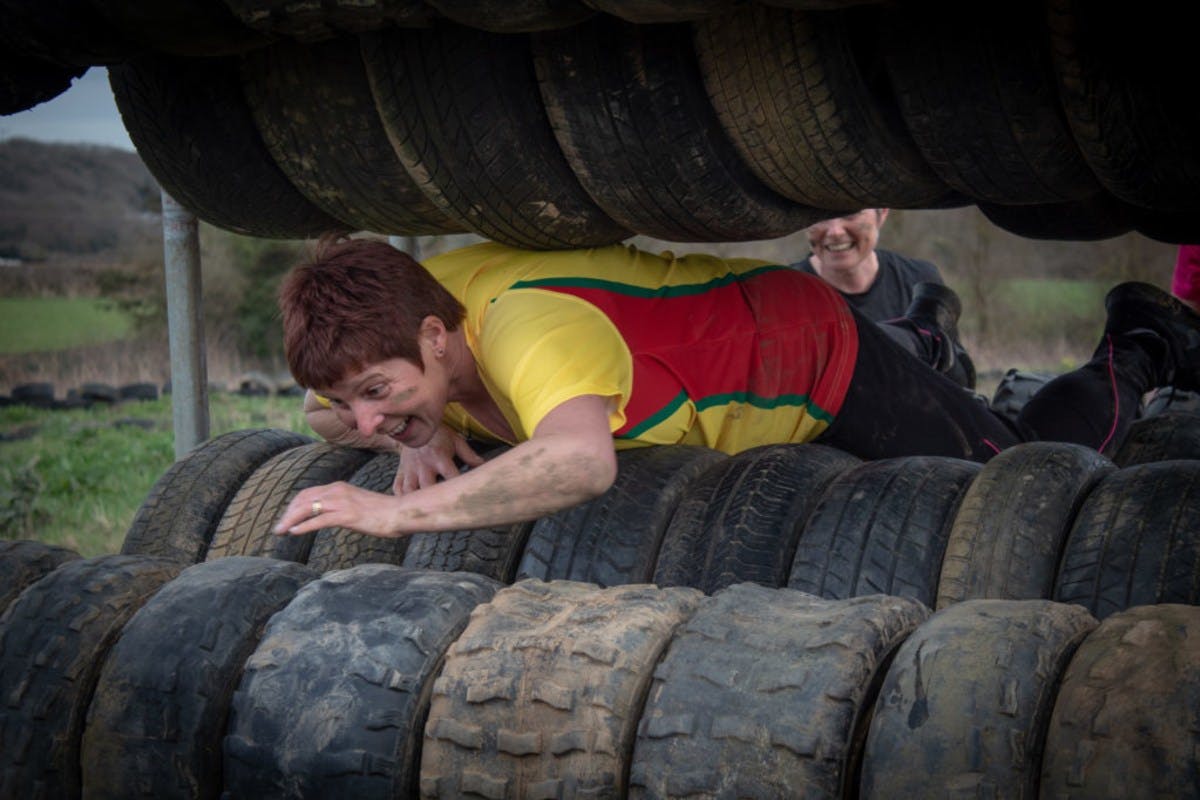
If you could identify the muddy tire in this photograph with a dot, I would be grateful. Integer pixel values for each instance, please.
(1009, 531)
(53, 641)
(333, 700)
(25, 562)
(1136, 541)
(185, 505)
(494, 552)
(1124, 724)
(312, 23)
(246, 527)
(540, 696)
(1161, 437)
(157, 717)
(760, 693)
(740, 519)
(882, 528)
(615, 538)
(463, 113)
(964, 707)
(340, 548)
(630, 112)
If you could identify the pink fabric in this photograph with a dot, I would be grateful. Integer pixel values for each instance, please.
(1185, 284)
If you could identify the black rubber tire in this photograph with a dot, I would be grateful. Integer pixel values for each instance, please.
(514, 16)
(24, 562)
(333, 701)
(138, 391)
(315, 22)
(979, 96)
(178, 517)
(882, 528)
(1100, 216)
(25, 81)
(1120, 80)
(61, 32)
(1014, 390)
(1168, 399)
(653, 11)
(53, 641)
(35, 395)
(1124, 724)
(94, 392)
(340, 548)
(740, 520)
(1135, 541)
(541, 695)
(762, 692)
(614, 539)
(463, 112)
(246, 527)
(1009, 532)
(158, 714)
(629, 109)
(494, 552)
(806, 100)
(964, 706)
(181, 27)
(342, 160)
(193, 129)
(1160, 437)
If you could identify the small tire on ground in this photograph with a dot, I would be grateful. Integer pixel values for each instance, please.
(755, 666)
(542, 692)
(36, 395)
(1160, 437)
(246, 527)
(1124, 723)
(1009, 531)
(882, 528)
(333, 701)
(1135, 541)
(24, 562)
(158, 714)
(139, 391)
(614, 539)
(964, 706)
(340, 548)
(53, 641)
(740, 519)
(99, 393)
(185, 505)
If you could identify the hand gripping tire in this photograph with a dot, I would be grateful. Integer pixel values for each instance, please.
(340, 548)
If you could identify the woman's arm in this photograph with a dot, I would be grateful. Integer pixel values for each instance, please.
(569, 459)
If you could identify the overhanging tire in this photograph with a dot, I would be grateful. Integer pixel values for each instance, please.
(882, 528)
(341, 160)
(24, 562)
(246, 527)
(158, 714)
(1008, 535)
(1135, 541)
(312, 23)
(184, 507)
(614, 539)
(53, 641)
(463, 112)
(740, 519)
(805, 100)
(652, 11)
(514, 16)
(192, 127)
(964, 706)
(762, 692)
(629, 110)
(340, 548)
(333, 700)
(1160, 437)
(1124, 723)
(1100, 216)
(540, 696)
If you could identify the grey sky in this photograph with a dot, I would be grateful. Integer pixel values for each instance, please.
(84, 113)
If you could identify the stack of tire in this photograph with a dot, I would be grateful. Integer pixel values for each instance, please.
(786, 622)
(576, 124)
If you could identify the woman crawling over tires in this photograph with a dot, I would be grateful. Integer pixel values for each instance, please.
(567, 355)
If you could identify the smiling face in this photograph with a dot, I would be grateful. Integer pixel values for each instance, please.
(846, 244)
(394, 398)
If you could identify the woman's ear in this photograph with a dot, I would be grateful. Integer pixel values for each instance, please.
(433, 335)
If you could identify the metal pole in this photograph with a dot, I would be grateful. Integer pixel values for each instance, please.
(185, 326)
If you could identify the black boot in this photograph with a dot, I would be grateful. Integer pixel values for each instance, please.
(1137, 308)
(935, 309)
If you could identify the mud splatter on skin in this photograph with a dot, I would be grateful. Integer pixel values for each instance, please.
(502, 492)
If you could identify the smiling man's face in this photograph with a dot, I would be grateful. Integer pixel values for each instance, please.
(843, 243)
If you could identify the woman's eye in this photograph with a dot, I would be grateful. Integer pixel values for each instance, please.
(376, 391)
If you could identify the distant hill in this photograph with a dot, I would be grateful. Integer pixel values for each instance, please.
(68, 202)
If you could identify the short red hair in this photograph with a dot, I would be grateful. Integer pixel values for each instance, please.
(356, 302)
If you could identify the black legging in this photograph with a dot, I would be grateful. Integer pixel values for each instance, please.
(897, 406)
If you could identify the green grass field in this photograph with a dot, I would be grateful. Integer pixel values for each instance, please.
(76, 478)
(39, 324)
